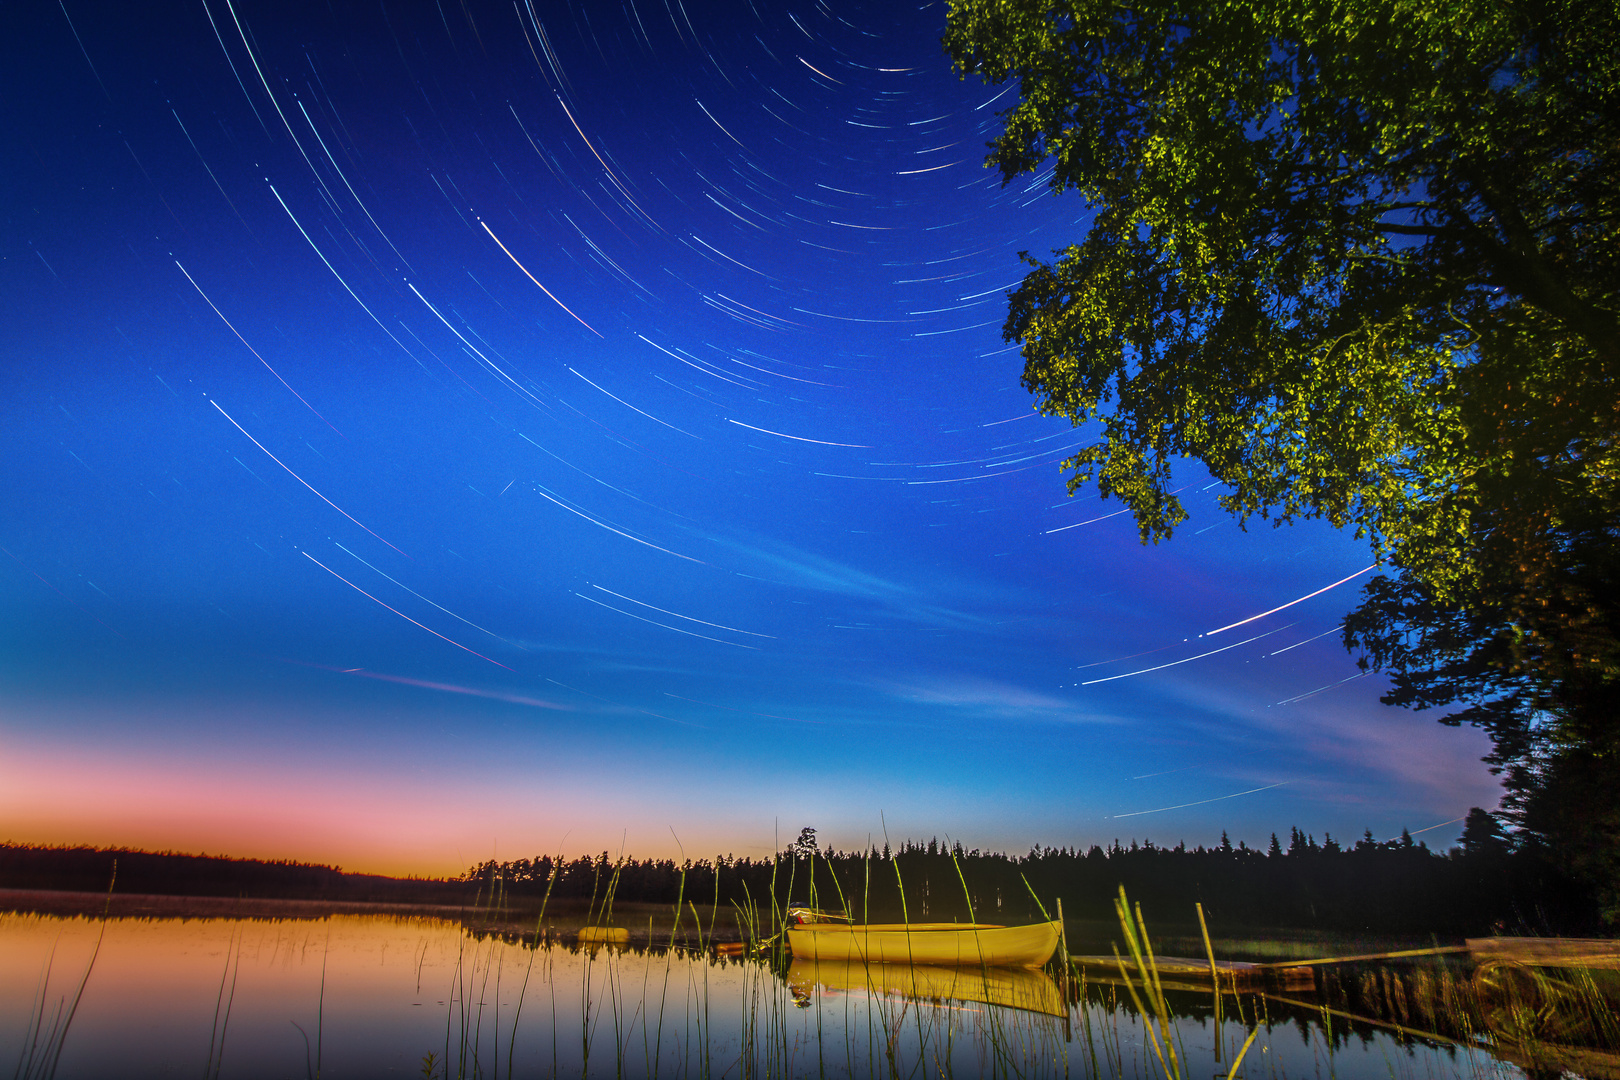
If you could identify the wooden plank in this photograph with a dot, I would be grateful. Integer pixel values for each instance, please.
(1169, 965)
(1368, 956)
(1182, 965)
(1550, 951)
(1234, 974)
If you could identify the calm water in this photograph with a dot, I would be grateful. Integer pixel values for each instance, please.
(368, 996)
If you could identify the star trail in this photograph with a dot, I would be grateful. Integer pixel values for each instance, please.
(659, 343)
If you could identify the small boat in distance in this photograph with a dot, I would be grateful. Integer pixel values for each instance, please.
(945, 944)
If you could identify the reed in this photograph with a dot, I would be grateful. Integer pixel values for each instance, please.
(462, 1055)
(216, 1031)
(42, 1046)
(539, 933)
(1157, 1019)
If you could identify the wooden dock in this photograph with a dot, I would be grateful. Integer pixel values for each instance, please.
(1548, 951)
(1183, 971)
(1188, 973)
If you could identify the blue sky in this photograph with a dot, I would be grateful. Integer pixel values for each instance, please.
(437, 430)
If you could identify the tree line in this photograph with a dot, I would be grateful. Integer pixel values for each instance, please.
(88, 869)
(1486, 885)
(1490, 883)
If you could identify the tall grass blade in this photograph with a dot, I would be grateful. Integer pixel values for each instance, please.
(1237, 1062)
(1215, 981)
(1157, 1022)
(539, 937)
(216, 1061)
(57, 1037)
(1032, 895)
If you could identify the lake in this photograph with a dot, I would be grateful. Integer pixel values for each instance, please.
(383, 996)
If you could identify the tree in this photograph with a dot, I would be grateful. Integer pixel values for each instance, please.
(1360, 258)
(1483, 837)
(1552, 722)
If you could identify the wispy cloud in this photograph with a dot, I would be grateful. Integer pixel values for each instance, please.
(940, 602)
(450, 688)
(1345, 746)
(992, 699)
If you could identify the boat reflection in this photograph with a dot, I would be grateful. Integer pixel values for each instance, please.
(1028, 989)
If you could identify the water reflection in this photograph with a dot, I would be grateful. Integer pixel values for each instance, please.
(1009, 988)
(1548, 1019)
(364, 996)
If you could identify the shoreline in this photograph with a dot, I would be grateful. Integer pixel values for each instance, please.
(65, 903)
(562, 917)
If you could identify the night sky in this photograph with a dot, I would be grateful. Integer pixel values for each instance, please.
(436, 431)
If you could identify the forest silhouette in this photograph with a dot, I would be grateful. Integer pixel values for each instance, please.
(1398, 886)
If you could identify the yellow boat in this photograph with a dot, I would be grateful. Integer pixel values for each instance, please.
(1013, 988)
(944, 944)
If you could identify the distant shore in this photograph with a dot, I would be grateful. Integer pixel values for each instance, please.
(563, 918)
(153, 906)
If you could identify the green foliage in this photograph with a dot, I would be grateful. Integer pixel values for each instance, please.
(1361, 258)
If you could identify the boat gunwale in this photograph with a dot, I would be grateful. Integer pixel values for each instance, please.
(902, 928)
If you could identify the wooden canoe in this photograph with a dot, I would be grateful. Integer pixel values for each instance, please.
(946, 944)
